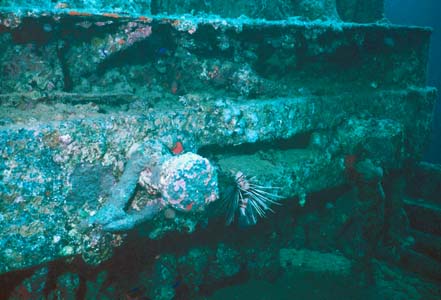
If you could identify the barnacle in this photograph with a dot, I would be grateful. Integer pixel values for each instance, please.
(249, 198)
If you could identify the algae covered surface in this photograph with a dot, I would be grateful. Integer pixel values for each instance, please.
(205, 150)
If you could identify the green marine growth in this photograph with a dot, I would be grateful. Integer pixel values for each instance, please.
(186, 182)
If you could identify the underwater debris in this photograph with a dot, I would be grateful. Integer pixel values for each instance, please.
(252, 200)
(184, 182)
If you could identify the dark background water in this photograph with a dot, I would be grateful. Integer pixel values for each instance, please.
(424, 13)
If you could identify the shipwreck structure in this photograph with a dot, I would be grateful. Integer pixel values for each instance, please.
(108, 110)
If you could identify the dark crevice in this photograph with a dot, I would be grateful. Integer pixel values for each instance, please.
(39, 31)
(298, 141)
(207, 289)
(206, 43)
(345, 57)
(10, 281)
(158, 45)
(67, 79)
(85, 29)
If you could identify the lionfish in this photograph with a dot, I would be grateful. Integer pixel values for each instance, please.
(249, 198)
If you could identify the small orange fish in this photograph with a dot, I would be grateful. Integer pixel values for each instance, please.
(189, 206)
(78, 13)
(178, 148)
(111, 15)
